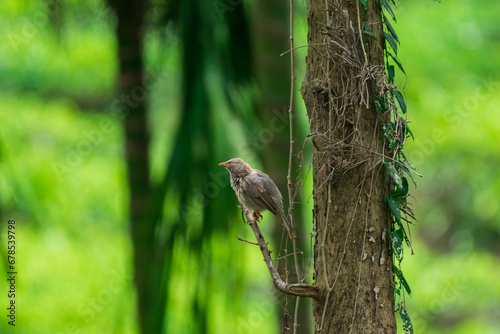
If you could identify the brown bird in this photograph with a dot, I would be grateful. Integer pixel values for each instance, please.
(255, 190)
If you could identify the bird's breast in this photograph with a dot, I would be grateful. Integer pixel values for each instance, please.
(237, 185)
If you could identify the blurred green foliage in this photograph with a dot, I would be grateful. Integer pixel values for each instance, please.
(74, 252)
(450, 52)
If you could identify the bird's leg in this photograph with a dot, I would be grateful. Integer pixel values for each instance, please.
(257, 216)
(254, 214)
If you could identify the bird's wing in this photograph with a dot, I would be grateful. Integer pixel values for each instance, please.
(260, 187)
(270, 186)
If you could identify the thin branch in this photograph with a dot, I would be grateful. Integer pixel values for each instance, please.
(407, 220)
(299, 47)
(409, 233)
(289, 176)
(245, 240)
(297, 289)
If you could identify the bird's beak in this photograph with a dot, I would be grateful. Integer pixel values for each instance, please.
(223, 164)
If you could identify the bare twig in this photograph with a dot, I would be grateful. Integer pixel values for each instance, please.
(245, 240)
(298, 47)
(289, 175)
(409, 233)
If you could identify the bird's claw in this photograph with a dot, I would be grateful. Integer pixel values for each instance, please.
(257, 216)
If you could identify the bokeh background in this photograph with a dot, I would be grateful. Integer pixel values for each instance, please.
(63, 177)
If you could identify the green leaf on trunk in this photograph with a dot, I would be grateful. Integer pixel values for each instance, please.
(394, 174)
(405, 133)
(408, 163)
(409, 131)
(388, 8)
(392, 42)
(364, 3)
(407, 171)
(380, 104)
(391, 29)
(390, 73)
(404, 190)
(396, 61)
(401, 100)
(367, 31)
(397, 289)
(407, 325)
(394, 206)
(401, 278)
(390, 135)
(397, 244)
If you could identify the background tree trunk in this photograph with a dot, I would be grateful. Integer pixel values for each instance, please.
(132, 101)
(352, 253)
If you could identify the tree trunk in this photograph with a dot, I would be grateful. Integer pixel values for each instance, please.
(352, 253)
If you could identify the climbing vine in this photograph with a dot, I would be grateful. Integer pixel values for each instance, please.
(391, 103)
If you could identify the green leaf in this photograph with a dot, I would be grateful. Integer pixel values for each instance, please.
(405, 159)
(394, 206)
(401, 100)
(367, 31)
(388, 8)
(380, 104)
(392, 42)
(405, 168)
(390, 28)
(394, 174)
(404, 190)
(408, 129)
(397, 244)
(397, 288)
(400, 233)
(390, 135)
(401, 278)
(364, 3)
(390, 72)
(396, 61)
(407, 325)
(408, 172)
(404, 132)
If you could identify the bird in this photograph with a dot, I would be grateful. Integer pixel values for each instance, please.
(255, 190)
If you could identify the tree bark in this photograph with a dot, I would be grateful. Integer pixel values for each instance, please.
(352, 253)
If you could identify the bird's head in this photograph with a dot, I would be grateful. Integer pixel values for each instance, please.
(237, 166)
